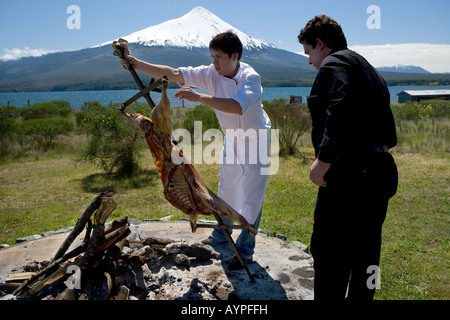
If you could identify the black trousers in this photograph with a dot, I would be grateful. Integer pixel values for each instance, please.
(348, 219)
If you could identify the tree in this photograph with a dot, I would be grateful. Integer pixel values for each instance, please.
(113, 142)
(292, 121)
(44, 132)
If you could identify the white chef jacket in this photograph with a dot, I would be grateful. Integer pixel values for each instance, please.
(242, 185)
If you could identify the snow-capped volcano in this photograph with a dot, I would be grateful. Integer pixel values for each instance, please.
(194, 29)
(178, 42)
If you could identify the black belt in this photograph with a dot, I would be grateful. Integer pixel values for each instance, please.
(368, 150)
(384, 149)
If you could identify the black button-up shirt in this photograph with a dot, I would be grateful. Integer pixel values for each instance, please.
(350, 107)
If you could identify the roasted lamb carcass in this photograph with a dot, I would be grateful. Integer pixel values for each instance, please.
(183, 186)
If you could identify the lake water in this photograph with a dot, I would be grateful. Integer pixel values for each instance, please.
(77, 98)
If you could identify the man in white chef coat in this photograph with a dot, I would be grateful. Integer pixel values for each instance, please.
(235, 94)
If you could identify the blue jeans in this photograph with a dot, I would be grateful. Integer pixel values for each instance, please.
(245, 242)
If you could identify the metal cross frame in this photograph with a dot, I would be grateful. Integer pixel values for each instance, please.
(121, 50)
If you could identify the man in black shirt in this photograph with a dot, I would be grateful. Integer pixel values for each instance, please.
(353, 128)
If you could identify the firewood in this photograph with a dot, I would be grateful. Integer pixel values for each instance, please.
(106, 207)
(81, 223)
(67, 294)
(162, 241)
(56, 276)
(116, 224)
(182, 260)
(197, 250)
(16, 277)
(141, 256)
(51, 267)
(114, 237)
(9, 286)
(106, 281)
(115, 251)
(123, 293)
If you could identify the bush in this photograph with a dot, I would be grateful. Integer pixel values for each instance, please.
(8, 128)
(113, 142)
(292, 121)
(45, 131)
(201, 113)
(422, 127)
(417, 111)
(46, 110)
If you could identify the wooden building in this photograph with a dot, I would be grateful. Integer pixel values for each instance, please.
(419, 95)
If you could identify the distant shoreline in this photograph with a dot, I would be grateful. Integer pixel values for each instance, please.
(106, 97)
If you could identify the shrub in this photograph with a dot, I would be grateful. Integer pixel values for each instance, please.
(8, 128)
(113, 142)
(46, 110)
(417, 111)
(201, 113)
(292, 121)
(45, 131)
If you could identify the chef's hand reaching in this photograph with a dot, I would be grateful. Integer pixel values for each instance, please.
(188, 93)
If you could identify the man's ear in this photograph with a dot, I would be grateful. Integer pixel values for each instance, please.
(320, 44)
(235, 56)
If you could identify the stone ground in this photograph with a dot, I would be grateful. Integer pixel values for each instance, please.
(282, 271)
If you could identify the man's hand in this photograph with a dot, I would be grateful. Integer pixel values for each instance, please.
(187, 93)
(318, 171)
(130, 59)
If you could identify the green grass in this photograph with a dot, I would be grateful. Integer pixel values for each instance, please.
(50, 194)
(415, 253)
(46, 191)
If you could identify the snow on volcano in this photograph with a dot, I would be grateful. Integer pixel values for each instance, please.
(194, 29)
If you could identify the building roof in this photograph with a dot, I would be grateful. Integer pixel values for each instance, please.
(426, 92)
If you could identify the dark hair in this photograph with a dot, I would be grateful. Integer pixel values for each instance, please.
(228, 42)
(324, 28)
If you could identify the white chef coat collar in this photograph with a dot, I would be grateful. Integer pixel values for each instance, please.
(235, 77)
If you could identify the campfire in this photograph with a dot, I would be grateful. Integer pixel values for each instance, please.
(108, 266)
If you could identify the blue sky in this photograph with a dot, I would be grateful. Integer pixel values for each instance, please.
(27, 25)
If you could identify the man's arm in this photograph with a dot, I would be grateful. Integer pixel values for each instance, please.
(221, 104)
(155, 70)
(336, 83)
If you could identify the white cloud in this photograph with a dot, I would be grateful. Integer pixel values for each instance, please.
(431, 57)
(15, 53)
